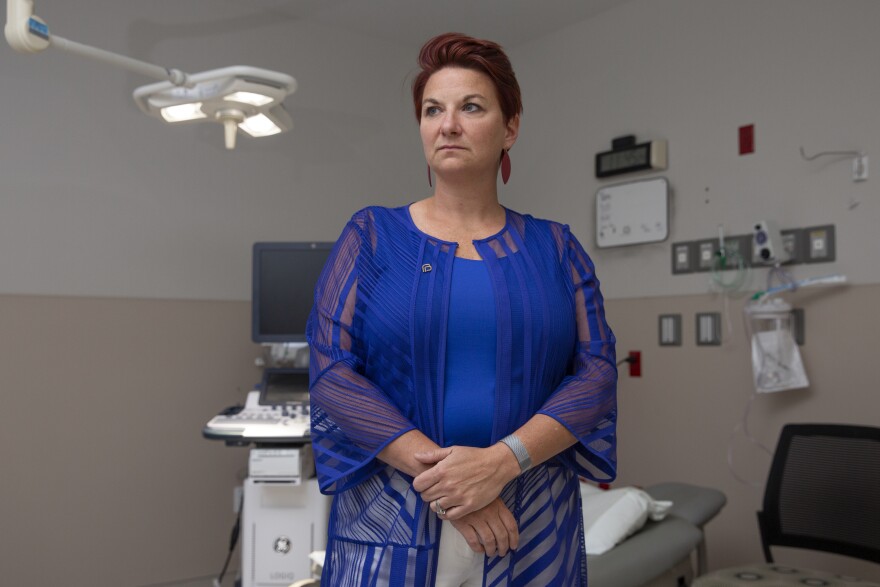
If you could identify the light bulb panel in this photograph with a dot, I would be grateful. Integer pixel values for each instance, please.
(183, 112)
(252, 98)
(272, 122)
(259, 126)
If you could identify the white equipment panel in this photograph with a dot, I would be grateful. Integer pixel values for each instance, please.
(632, 213)
(282, 523)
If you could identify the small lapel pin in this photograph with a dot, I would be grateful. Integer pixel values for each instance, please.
(426, 268)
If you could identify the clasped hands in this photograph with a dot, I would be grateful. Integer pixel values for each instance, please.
(465, 483)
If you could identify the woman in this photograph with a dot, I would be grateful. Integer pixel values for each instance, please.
(462, 370)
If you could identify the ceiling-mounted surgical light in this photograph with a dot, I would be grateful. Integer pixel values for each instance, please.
(231, 95)
(242, 97)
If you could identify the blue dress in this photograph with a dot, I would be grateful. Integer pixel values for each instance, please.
(471, 348)
(377, 338)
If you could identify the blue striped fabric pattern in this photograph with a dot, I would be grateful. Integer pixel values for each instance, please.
(377, 338)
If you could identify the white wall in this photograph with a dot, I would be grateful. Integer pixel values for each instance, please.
(99, 199)
(692, 72)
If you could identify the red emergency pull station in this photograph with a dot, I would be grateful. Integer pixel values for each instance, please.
(747, 139)
(635, 363)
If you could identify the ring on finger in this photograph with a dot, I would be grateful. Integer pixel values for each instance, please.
(440, 510)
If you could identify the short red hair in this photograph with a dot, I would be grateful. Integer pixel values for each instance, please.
(458, 50)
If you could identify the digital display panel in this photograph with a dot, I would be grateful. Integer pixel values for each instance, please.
(636, 158)
(284, 278)
(624, 159)
(282, 386)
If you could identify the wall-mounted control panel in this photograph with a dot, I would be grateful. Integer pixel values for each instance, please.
(761, 248)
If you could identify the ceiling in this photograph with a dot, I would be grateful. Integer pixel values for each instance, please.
(510, 22)
(406, 22)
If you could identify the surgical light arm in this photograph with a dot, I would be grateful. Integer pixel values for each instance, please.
(24, 31)
(240, 97)
(28, 33)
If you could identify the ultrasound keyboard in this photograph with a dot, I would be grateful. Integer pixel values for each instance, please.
(255, 422)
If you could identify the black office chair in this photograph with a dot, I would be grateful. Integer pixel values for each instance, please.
(823, 493)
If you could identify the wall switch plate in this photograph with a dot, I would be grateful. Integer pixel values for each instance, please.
(682, 258)
(819, 244)
(669, 326)
(708, 329)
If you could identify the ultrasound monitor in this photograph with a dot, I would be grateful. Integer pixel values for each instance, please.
(282, 387)
(284, 278)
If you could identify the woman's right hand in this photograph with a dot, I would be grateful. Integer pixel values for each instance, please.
(491, 530)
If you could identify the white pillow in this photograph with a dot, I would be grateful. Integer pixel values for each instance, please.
(612, 515)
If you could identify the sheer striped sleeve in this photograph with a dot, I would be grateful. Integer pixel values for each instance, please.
(352, 419)
(585, 402)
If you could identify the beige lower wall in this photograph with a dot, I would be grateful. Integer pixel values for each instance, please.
(676, 421)
(106, 479)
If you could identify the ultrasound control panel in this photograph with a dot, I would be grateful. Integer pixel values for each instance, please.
(278, 412)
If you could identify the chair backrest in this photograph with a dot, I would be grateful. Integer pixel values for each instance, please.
(823, 492)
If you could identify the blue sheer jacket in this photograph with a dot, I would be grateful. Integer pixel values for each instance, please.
(377, 349)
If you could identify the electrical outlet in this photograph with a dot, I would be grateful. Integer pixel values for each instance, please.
(860, 168)
(706, 254)
(670, 329)
(682, 258)
(708, 329)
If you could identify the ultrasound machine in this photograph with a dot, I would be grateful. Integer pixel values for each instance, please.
(283, 516)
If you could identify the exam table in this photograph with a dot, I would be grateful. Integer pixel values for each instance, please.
(659, 554)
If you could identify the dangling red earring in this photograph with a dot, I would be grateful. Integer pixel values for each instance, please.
(505, 166)
(429, 176)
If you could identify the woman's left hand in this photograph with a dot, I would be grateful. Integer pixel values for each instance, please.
(464, 479)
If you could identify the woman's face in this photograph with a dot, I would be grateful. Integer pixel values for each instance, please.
(462, 127)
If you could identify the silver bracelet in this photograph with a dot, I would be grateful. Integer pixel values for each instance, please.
(519, 451)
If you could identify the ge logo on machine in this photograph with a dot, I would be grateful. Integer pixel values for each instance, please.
(282, 545)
